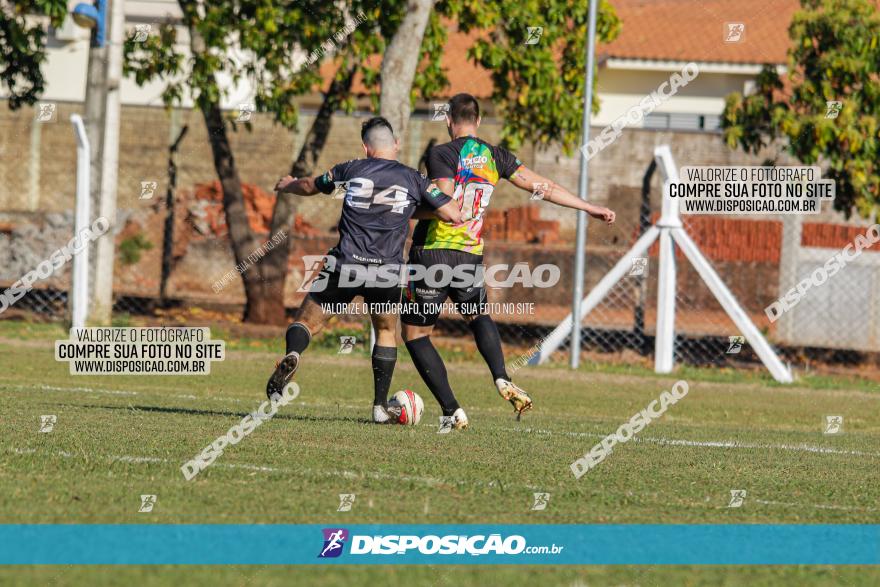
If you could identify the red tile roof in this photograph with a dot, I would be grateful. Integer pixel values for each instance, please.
(659, 30)
(695, 30)
(463, 74)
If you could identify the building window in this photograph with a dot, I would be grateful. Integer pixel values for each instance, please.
(679, 121)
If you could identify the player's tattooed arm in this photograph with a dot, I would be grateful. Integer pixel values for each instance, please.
(303, 186)
(447, 186)
(449, 212)
(549, 190)
(424, 213)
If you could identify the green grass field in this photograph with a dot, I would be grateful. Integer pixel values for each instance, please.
(118, 437)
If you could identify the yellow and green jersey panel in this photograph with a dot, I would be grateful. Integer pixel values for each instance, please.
(475, 166)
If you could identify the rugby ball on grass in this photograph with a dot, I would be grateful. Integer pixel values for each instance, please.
(411, 406)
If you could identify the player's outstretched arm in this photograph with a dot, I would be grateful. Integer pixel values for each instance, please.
(449, 212)
(424, 213)
(528, 180)
(427, 213)
(303, 186)
(447, 186)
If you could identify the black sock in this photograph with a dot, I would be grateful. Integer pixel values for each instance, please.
(430, 366)
(384, 359)
(489, 344)
(298, 338)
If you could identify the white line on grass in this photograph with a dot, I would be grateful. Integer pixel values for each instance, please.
(430, 481)
(709, 443)
(818, 506)
(667, 441)
(129, 393)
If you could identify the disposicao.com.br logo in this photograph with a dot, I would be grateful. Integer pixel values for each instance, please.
(431, 544)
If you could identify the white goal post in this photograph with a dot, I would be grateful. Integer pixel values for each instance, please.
(670, 232)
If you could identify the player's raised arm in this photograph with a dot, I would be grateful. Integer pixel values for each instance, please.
(449, 212)
(447, 186)
(528, 180)
(302, 186)
(432, 199)
(309, 186)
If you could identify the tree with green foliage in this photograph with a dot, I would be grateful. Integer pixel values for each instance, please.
(833, 59)
(263, 43)
(538, 92)
(260, 43)
(538, 88)
(23, 47)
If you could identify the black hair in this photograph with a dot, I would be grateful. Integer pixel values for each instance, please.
(373, 123)
(464, 108)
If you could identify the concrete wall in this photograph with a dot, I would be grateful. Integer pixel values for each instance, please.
(38, 164)
(37, 168)
(37, 178)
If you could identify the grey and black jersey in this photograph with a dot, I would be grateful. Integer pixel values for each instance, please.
(381, 196)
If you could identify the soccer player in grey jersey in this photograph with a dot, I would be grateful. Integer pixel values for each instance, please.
(381, 195)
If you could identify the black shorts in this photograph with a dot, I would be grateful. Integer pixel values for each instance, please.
(422, 302)
(327, 291)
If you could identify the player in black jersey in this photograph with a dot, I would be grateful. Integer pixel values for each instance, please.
(468, 169)
(381, 195)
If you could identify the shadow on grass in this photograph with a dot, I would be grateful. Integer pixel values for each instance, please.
(238, 415)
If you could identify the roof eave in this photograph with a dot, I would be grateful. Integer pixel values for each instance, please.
(629, 63)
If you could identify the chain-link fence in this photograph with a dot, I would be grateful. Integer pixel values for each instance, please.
(758, 259)
(833, 318)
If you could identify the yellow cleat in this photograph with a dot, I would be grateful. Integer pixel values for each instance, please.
(517, 397)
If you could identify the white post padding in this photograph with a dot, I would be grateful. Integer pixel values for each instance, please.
(671, 232)
(669, 217)
(79, 297)
(664, 340)
(555, 339)
(779, 371)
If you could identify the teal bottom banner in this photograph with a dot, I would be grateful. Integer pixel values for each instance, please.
(352, 544)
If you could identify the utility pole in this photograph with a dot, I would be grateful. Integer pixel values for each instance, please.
(102, 127)
(94, 17)
(583, 187)
(102, 302)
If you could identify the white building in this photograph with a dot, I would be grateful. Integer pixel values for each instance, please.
(729, 41)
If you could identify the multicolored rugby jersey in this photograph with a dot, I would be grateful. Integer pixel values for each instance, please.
(475, 166)
(381, 196)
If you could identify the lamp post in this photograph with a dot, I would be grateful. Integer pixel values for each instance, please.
(92, 16)
(101, 111)
(583, 190)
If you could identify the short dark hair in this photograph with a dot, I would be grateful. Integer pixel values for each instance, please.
(372, 123)
(464, 108)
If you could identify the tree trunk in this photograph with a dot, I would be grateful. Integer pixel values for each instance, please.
(400, 62)
(244, 242)
(273, 267)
